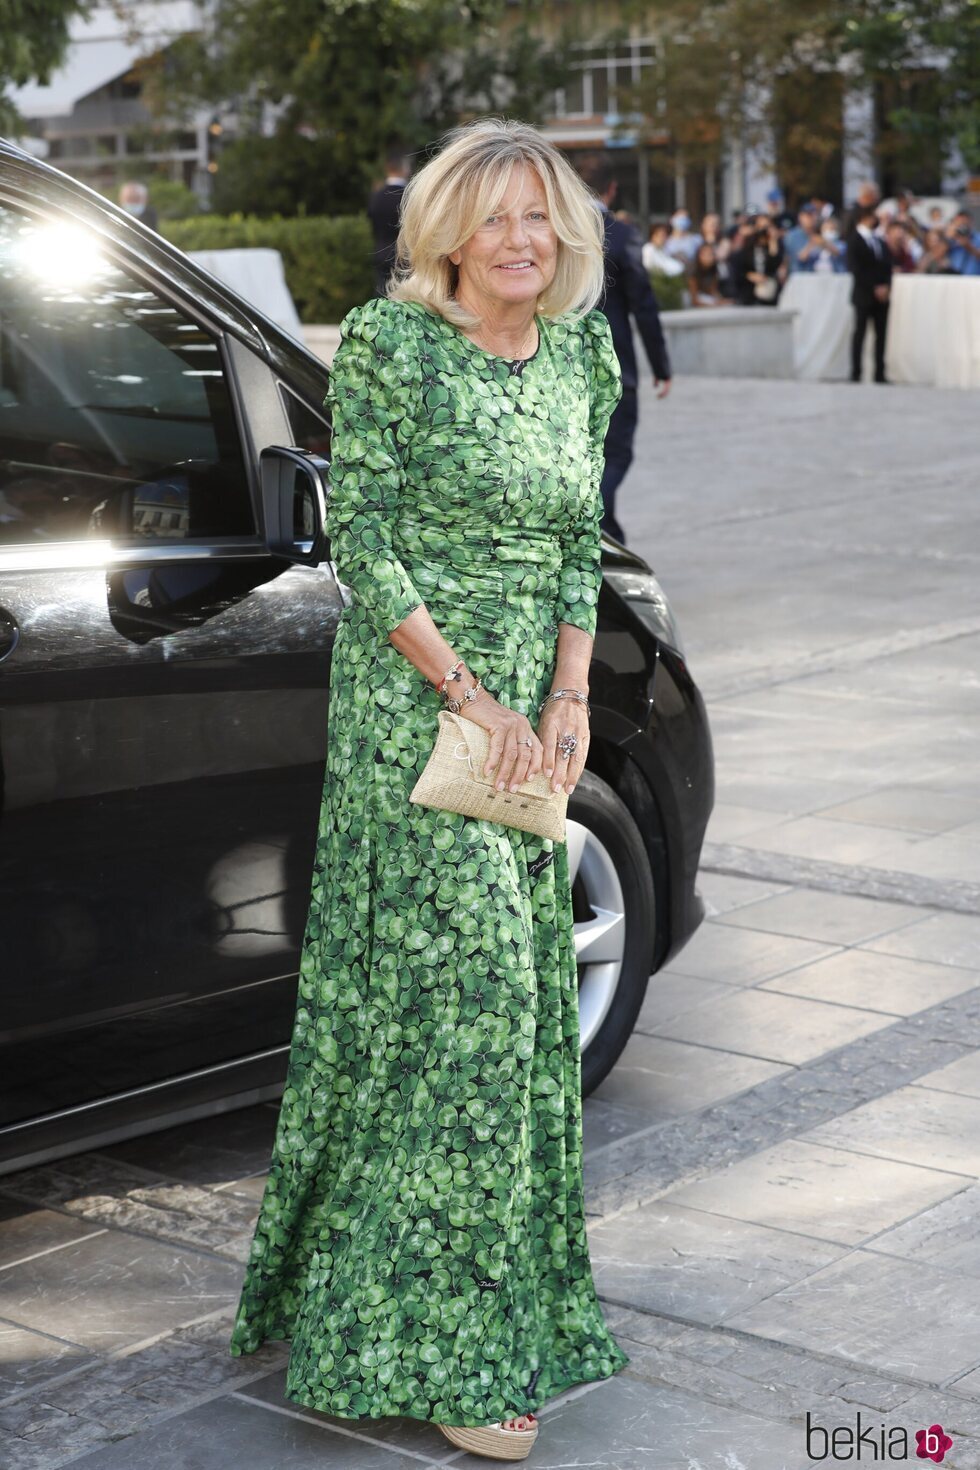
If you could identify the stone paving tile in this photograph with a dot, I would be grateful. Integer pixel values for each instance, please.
(723, 892)
(109, 1192)
(948, 857)
(605, 1122)
(946, 1235)
(630, 1424)
(663, 1257)
(771, 1026)
(945, 939)
(825, 1193)
(732, 823)
(250, 1188)
(28, 1359)
(960, 1076)
(122, 1289)
(736, 1372)
(26, 1231)
(124, 1393)
(796, 795)
(398, 1434)
(733, 1368)
(232, 1434)
(668, 1077)
(904, 807)
(890, 984)
(833, 918)
(940, 1130)
(670, 993)
(885, 883)
(894, 1315)
(737, 956)
(839, 842)
(677, 1150)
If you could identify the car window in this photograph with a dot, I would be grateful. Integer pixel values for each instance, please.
(115, 413)
(308, 429)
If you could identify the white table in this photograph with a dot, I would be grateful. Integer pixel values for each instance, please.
(258, 276)
(933, 329)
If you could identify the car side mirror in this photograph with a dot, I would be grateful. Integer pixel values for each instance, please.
(294, 489)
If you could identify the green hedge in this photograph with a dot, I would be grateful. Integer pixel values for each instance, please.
(327, 259)
(669, 290)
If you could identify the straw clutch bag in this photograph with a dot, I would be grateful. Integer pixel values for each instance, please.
(453, 781)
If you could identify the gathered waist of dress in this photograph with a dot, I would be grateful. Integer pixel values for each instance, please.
(477, 550)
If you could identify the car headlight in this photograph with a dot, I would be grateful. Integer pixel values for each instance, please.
(650, 603)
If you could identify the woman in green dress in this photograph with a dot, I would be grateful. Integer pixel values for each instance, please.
(421, 1238)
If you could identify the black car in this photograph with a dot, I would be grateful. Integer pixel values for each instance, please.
(167, 611)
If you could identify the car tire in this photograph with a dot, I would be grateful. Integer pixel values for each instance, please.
(615, 914)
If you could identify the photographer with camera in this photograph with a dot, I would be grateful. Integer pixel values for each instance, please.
(759, 264)
(964, 245)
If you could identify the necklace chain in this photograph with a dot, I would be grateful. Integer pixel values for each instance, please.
(524, 344)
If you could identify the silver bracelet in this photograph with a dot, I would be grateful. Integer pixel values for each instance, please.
(566, 694)
(457, 704)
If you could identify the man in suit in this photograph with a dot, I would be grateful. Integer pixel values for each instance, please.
(870, 263)
(628, 293)
(383, 210)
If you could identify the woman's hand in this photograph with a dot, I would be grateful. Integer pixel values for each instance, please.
(509, 754)
(560, 717)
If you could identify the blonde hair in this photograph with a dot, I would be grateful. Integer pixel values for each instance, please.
(450, 197)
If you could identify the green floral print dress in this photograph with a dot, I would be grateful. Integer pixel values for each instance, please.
(421, 1238)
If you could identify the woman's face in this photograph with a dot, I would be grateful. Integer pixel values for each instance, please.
(518, 233)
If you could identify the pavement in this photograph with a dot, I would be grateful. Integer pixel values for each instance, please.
(782, 1171)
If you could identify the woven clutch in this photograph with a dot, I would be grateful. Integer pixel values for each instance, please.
(453, 781)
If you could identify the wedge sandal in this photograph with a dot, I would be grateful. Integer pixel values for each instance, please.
(493, 1440)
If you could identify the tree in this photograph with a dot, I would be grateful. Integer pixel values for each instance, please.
(33, 41)
(345, 81)
(755, 70)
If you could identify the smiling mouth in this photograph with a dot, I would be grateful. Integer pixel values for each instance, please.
(518, 265)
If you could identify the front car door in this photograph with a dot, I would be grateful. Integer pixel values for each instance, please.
(162, 697)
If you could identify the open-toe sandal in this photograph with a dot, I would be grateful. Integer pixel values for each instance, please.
(493, 1440)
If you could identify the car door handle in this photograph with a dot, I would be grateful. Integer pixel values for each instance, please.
(9, 634)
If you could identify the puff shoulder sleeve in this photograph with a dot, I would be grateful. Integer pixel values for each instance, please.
(369, 399)
(581, 574)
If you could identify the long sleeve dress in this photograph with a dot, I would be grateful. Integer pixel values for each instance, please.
(421, 1239)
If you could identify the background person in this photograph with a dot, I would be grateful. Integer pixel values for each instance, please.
(135, 199)
(629, 295)
(825, 254)
(934, 260)
(703, 284)
(682, 242)
(654, 253)
(964, 244)
(758, 265)
(897, 240)
(801, 235)
(383, 210)
(870, 264)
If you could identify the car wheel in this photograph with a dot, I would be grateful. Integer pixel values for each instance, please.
(614, 910)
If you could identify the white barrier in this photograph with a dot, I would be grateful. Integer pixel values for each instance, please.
(933, 329)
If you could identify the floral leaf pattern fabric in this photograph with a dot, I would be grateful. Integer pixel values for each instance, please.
(421, 1237)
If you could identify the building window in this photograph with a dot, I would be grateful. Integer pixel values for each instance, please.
(602, 77)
